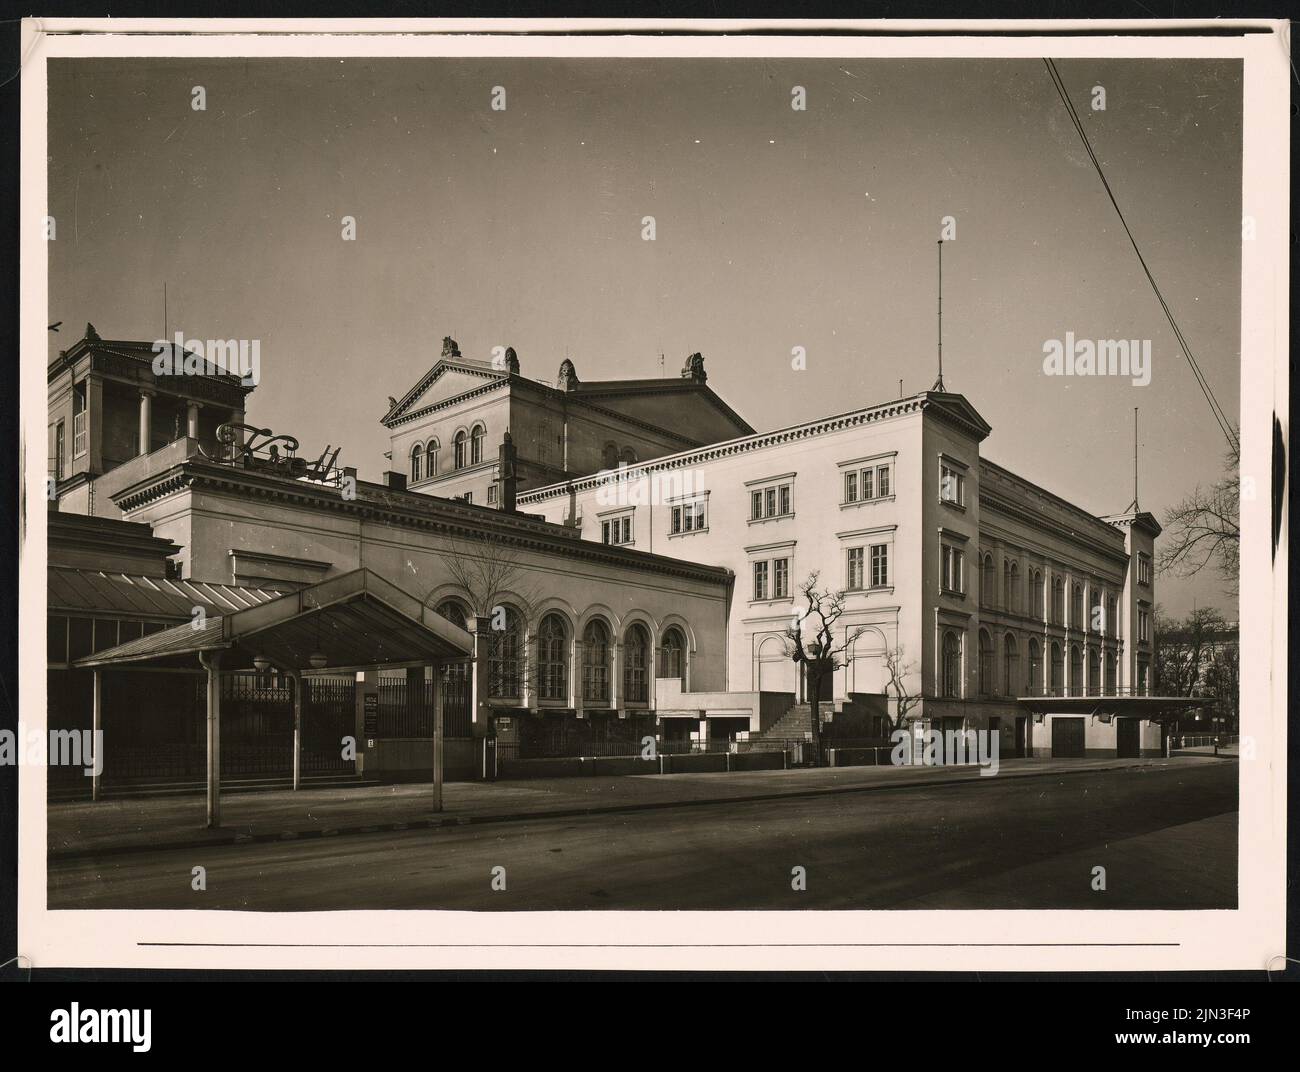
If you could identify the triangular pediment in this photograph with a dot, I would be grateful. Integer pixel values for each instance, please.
(447, 379)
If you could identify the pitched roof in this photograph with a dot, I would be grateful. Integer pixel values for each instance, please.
(70, 590)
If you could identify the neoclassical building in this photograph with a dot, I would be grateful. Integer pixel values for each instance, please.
(626, 554)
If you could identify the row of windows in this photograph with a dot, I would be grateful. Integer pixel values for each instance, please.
(863, 485)
(507, 668)
(876, 558)
(773, 501)
(1013, 598)
(467, 449)
(1011, 683)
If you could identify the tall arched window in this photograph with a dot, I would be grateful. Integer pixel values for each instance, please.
(627, 456)
(986, 664)
(950, 684)
(1036, 593)
(1010, 665)
(476, 444)
(636, 665)
(1058, 600)
(458, 448)
(1076, 671)
(1013, 588)
(595, 662)
(417, 455)
(1110, 673)
(553, 658)
(505, 658)
(609, 456)
(1076, 608)
(988, 580)
(1057, 672)
(1035, 667)
(1112, 616)
(1094, 672)
(672, 655)
(1094, 609)
(431, 458)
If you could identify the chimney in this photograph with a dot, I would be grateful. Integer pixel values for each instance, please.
(396, 481)
(506, 472)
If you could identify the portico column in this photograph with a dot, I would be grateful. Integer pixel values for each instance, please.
(296, 677)
(439, 759)
(192, 420)
(146, 420)
(211, 661)
(97, 735)
(478, 677)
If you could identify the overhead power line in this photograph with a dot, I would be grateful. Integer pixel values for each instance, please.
(1221, 417)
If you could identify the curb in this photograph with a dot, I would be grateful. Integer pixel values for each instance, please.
(439, 822)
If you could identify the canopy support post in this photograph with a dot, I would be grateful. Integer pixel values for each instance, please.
(97, 735)
(211, 662)
(296, 677)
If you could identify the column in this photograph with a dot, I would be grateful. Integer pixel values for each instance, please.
(211, 661)
(146, 420)
(94, 424)
(296, 677)
(192, 420)
(439, 759)
(478, 678)
(97, 735)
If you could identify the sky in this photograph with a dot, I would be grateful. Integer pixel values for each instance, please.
(774, 228)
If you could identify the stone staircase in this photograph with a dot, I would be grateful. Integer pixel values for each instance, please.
(794, 725)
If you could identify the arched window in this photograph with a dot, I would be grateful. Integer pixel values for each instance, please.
(986, 664)
(1110, 673)
(1112, 616)
(1076, 608)
(1058, 601)
(610, 456)
(1094, 672)
(458, 448)
(453, 612)
(1076, 671)
(476, 444)
(417, 455)
(505, 658)
(988, 579)
(1094, 609)
(627, 456)
(1057, 672)
(431, 459)
(1035, 667)
(1013, 587)
(672, 655)
(553, 658)
(950, 684)
(1036, 593)
(636, 665)
(595, 662)
(1010, 665)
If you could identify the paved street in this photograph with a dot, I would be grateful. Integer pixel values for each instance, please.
(1166, 836)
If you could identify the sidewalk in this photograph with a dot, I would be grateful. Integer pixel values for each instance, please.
(82, 829)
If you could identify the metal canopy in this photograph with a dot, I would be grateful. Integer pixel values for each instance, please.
(1149, 707)
(357, 619)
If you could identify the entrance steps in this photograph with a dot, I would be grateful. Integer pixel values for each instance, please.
(795, 724)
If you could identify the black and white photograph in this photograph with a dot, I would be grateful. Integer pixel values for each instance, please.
(822, 481)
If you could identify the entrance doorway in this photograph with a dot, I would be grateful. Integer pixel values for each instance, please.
(1067, 738)
(1022, 736)
(1128, 738)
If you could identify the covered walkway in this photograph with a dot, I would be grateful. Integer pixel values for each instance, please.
(356, 621)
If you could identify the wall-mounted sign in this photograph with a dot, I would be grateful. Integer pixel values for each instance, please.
(370, 713)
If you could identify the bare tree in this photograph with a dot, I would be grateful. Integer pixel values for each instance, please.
(1198, 657)
(1204, 529)
(904, 700)
(818, 653)
(492, 576)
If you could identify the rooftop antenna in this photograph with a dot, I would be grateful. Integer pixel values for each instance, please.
(1133, 506)
(900, 388)
(164, 334)
(938, 384)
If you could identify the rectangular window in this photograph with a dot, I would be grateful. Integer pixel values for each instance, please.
(492, 494)
(616, 530)
(755, 505)
(882, 480)
(1144, 568)
(855, 568)
(769, 502)
(784, 493)
(1144, 626)
(760, 580)
(952, 485)
(868, 490)
(879, 565)
(953, 568)
(781, 578)
(850, 487)
(689, 518)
